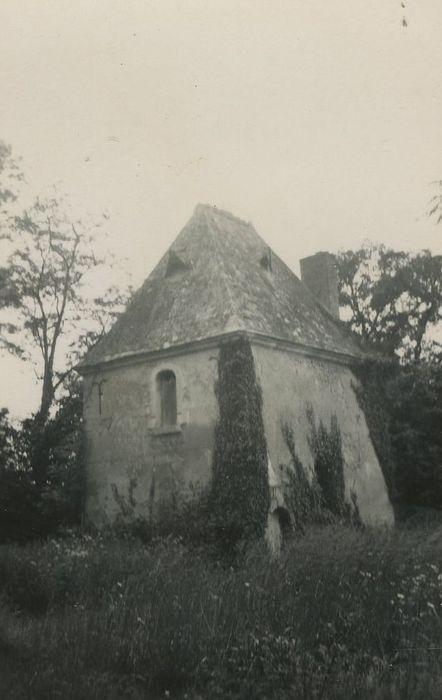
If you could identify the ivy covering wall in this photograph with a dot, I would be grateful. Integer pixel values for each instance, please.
(240, 497)
(320, 496)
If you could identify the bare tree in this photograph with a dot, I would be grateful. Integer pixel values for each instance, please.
(48, 269)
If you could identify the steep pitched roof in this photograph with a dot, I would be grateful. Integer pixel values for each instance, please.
(219, 276)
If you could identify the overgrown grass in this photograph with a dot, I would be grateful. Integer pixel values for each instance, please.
(342, 614)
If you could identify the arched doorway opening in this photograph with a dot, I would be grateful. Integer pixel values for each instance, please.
(285, 523)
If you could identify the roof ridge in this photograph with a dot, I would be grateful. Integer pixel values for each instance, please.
(213, 209)
(233, 310)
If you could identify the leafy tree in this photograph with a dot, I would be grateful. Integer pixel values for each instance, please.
(8, 438)
(64, 437)
(394, 301)
(414, 396)
(403, 408)
(10, 176)
(374, 376)
(52, 260)
(436, 203)
(393, 298)
(56, 318)
(31, 509)
(240, 496)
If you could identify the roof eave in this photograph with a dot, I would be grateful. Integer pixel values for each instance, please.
(136, 356)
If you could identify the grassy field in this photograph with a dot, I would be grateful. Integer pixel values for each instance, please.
(341, 614)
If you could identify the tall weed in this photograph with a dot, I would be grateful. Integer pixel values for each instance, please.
(342, 613)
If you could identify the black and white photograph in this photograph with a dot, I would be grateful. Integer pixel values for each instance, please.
(221, 350)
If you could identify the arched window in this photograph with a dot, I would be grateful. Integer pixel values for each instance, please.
(166, 390)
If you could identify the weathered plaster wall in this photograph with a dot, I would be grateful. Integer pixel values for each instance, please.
(126, 455)
(131, 461)
(290, 383)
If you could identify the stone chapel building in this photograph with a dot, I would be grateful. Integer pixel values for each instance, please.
(149, 401)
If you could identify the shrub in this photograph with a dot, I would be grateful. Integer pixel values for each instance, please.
(23, 585)
(183, 517)
(29, 509)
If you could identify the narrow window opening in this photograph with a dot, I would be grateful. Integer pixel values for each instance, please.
(166, 388)
(100, 397)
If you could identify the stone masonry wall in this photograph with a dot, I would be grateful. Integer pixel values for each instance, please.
(290, 383)
(130, 461)
(132, 464)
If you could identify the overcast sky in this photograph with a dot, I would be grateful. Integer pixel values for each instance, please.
(321, 122)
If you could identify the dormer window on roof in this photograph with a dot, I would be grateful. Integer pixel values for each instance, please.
(218, 269)
(266, 260)
(175, 265)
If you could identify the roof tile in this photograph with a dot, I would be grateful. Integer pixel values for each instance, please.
(221, 286)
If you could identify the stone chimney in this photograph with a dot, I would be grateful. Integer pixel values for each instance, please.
(319, 274)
